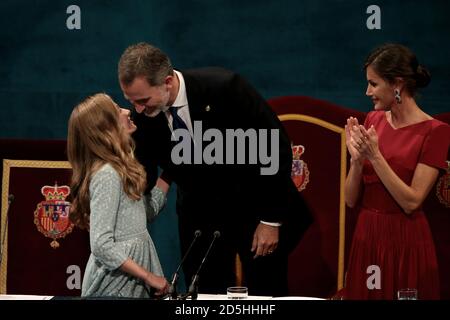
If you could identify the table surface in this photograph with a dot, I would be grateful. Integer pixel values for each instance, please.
(200, 297)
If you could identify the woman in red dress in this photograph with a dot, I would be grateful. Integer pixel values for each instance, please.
(395, 161)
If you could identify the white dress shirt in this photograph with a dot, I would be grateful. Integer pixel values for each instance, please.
(181, 102)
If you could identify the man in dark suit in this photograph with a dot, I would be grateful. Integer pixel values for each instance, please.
(259, 214)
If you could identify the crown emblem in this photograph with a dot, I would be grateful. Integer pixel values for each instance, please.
(51, 216)
(55, 192)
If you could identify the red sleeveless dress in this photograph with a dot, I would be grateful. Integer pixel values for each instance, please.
(400, 245)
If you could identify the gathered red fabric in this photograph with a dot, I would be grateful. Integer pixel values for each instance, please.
(399, 244)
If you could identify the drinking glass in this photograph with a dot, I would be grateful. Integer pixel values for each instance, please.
(237, 292)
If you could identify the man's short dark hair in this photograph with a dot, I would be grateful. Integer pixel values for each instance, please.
(144, 60)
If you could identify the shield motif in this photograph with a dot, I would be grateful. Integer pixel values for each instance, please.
(51, 216)
(300, 172)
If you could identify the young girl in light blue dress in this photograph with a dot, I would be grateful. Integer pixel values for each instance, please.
(107, 188)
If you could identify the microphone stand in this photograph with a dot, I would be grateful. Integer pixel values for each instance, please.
(193, 287)
(173, 284)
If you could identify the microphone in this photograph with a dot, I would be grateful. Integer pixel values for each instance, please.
(193, 287)
(173, 284)
(10, 200)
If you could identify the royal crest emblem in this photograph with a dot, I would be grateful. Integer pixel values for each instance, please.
(52, 215)
(300, 172)
(443, 188)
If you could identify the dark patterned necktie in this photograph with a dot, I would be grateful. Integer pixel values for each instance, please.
(177, 122)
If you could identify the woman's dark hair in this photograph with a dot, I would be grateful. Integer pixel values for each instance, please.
(392, 60)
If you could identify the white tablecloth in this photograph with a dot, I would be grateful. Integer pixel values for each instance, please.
(23, 297)
(200, 297)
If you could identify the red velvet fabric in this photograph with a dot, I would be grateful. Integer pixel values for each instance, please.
(438, 216)
(34, 267)
(313, 265)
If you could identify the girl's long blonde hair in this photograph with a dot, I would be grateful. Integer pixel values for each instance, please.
(95, 137)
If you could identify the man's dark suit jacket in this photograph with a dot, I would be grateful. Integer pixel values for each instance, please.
(222, 100)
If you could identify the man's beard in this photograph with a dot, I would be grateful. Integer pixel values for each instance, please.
(155, 112)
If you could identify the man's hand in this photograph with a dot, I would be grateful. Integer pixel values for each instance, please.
(265, 240)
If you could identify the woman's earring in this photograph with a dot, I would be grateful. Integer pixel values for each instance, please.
(398, 98)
